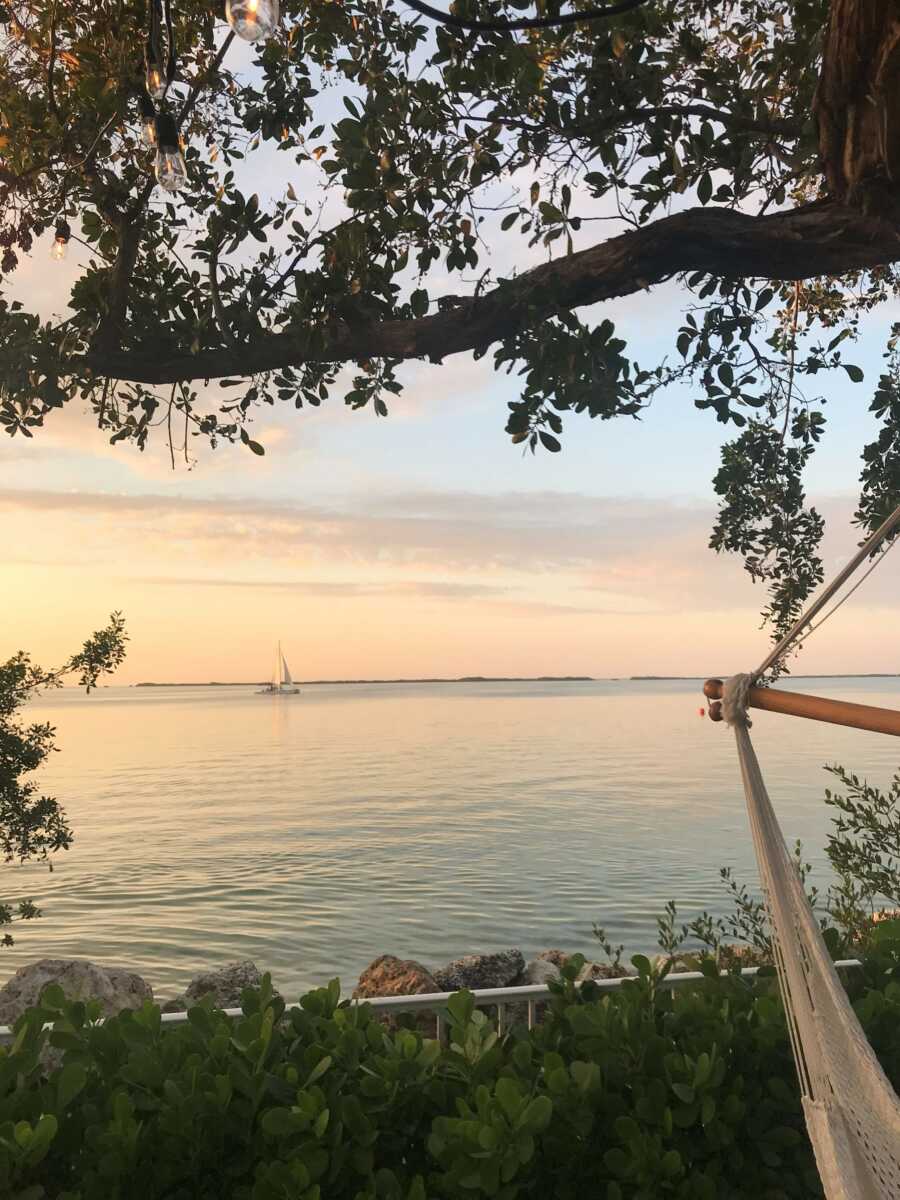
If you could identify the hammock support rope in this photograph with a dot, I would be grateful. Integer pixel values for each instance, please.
(852, 1112)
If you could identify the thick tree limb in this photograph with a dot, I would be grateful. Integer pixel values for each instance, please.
(818, 239)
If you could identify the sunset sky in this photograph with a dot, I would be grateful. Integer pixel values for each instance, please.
(422, 544)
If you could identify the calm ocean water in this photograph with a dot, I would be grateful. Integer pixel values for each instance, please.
(316, 832)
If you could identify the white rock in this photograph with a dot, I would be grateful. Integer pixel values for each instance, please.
(539, 970)
(115, 988)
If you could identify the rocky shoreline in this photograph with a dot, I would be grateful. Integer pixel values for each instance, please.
(117, 988)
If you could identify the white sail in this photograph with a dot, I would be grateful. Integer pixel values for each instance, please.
(282, 682)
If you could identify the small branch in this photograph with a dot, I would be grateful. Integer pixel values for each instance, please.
(793, 352)
(110, 330)
(642, 116)
(51, 97)
(169, 425)
(218, 308)
(502, 26)
(200, 83)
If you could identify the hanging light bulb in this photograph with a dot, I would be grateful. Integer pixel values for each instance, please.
(252, 19)
(171, 172)
(155, 79)
(61, 240)
(148, 121)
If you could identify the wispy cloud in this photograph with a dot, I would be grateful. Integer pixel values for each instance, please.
(343, 589)
(586, 553)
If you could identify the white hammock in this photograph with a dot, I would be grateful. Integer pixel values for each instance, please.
(852, 1111)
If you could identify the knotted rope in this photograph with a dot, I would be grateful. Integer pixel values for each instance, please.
(736, 698)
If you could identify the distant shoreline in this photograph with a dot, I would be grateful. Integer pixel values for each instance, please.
(346, 682)
(502, 679)
(691, 678)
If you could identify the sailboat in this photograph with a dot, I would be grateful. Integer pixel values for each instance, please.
(282, 683)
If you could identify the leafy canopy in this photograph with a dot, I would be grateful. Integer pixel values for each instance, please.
(366, 187)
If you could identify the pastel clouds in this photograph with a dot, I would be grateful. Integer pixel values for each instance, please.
(414, 583)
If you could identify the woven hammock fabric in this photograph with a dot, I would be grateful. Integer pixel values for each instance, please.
(852, 1111)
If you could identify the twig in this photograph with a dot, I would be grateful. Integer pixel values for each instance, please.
(792, 354)
(193, 95)
(51, 97)
(573, 18)
(218, 309)
(169, 424)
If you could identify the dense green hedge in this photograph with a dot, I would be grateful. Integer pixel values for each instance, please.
(638, 1093)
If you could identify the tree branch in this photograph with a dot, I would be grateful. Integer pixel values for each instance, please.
(110, 331)
(822, 238)
(218, 308)
(623, 117)
(51, 95)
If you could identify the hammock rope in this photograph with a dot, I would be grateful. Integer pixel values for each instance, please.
(852, 1112)
(869, 547)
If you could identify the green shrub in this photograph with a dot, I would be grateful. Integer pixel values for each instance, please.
(637, 1093)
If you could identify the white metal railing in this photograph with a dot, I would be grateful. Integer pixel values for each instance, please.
(501, 998)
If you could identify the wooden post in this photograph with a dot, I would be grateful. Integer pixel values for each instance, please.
(815, 708)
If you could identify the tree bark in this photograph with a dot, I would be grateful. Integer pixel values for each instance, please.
(858, 105)
(824, 238)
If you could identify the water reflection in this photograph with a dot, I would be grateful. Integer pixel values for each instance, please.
(314, 832)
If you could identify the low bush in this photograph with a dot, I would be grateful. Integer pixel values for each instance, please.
(637, 1093)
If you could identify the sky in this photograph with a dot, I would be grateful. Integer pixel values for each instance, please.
(419, 545)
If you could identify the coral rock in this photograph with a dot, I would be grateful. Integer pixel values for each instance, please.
(224, 986)
(115, 988)
(475, 971)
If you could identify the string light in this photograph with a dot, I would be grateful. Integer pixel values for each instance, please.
(252, 19)
(148, 121)
(159, 53)
(61, 240)
(171, 171)
(155, 80)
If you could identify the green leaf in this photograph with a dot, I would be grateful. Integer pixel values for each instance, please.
(282, 1122)
(886, 931)
(42, 1135)
(550, 213)
(704, 188)
(671, 1164)
(255, 447)
(69, 1082)
(53, 996)
(319, 1070)
(509, 1095)
(537, 1115)
(855, 373)
(617, 1162)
